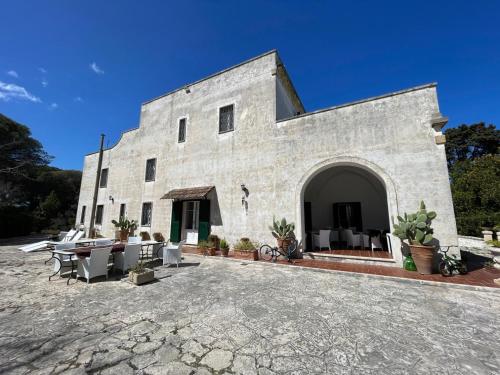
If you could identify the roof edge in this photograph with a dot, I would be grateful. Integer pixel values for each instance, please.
(212, 75)
(348, 104)
(118, 141)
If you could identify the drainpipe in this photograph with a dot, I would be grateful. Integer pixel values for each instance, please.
(96, 188)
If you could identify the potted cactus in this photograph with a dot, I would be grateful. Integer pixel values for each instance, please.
(125, 226)
(416, 230)
(283, 232)
(224, 247)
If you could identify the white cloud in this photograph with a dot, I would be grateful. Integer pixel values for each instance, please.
(45, 83)
(53, 106)
(13, 73)
(96, 68)
(10, 91)
(78, 99)
(42, 70)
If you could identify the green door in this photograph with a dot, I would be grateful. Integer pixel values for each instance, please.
(204, 217)
(176, 222)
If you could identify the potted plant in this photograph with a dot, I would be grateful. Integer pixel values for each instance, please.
(158, 237)
(283, 232)
(139, 274)
(416, 230)
(125, 226)
(224, 248)
(246, 249)
(203, 247)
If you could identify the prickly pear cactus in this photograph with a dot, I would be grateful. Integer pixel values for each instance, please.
(416, 227)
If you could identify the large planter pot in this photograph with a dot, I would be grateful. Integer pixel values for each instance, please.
(250, 255)
(124, 235)
(141, 278)
(202, 250)
(224, 252)
(422, 256)
(283, 244)
(212, 251)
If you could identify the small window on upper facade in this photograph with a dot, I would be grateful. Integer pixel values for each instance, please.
(147, 211)
(104, 178)
(122, 211)
(182, 130)
(82, 217)
(226, 118)
(150, 169)
(98, 214)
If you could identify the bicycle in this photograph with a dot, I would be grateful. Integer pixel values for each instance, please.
(450, 264)
(267, 252)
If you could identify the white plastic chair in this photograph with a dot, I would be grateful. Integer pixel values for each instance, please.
(365, 240)
(95, 265)
(322, 239)
(376, 243)
(389, 242)
(353, 240)
(129, 257)
(334, 236)
(134, 240)
(173, 254)
(64, 258)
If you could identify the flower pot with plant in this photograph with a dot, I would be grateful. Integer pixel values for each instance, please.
(139, 274)
(206, 248)
(224, 248)
(246, 249)
(417, 231)
(283, 232)
(214, 241)
(125, 226)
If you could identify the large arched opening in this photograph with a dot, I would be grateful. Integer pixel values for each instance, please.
(354, 203)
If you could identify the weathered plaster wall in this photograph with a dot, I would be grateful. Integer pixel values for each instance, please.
(390, 136)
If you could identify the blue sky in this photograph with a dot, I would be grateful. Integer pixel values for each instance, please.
(71, 70)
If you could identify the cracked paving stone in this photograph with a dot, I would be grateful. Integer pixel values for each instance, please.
(121, 368)
(194, 348)
(244, 365)
(100, 360)
(172, 368)
(167, 353)
(143, 360)
(145, 347)
(217, 359)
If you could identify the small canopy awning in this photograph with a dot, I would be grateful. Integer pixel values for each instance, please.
(188, 194)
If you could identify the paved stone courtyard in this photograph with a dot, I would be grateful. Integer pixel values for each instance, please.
(222, 316)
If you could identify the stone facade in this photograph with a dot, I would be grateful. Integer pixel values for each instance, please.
(275, 150)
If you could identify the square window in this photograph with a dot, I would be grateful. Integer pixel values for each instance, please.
(150, 169)
(226, 118)
(98, 214)
(82, 217)
(122, 210)
(182, 130)
(147, 211)
(104, 178)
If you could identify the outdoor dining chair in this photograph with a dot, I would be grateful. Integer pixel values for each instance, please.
(376, 243)
(134, 240)
(129, 257)
(95, 265)
(353, 240)
(173, 254)
(322, 239)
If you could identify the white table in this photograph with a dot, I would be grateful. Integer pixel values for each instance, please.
(172, 254)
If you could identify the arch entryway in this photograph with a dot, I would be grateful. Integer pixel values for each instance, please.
(345, 192)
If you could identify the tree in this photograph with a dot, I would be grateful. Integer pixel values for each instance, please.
(19, 152)
(474, 169)
(468, 142)
(33, 195)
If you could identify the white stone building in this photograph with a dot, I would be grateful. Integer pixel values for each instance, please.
(243, 143)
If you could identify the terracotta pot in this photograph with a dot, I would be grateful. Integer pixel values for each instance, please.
(224, 252)
(422, 256)
(252, 255)
(284, 243)
(141, 278)
(212, 251)
(201, 250)
(124, 235)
